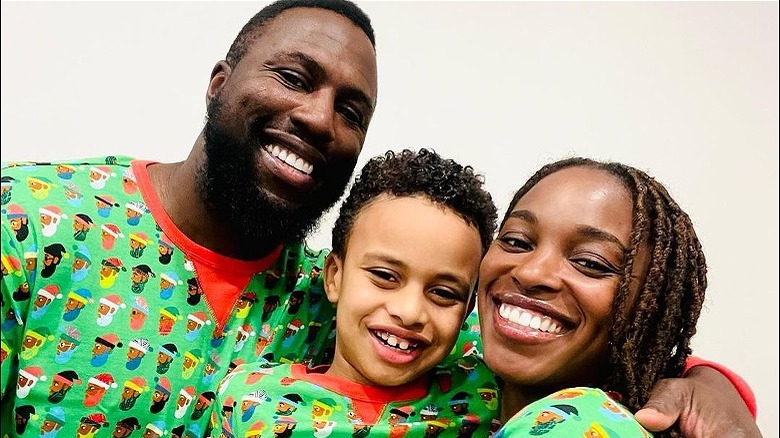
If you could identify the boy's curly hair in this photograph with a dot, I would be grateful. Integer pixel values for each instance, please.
(424, 173)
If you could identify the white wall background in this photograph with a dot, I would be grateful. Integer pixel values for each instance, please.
(686, 91)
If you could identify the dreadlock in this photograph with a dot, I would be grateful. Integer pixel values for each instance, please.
(650, 336)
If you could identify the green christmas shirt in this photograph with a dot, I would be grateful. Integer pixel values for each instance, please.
(262, 400)
(115, 324)
(574, 412)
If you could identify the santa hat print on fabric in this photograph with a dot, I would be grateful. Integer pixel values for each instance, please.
(137, 384)
(53, 211)
(68, 377)
(141, 344)
(103, 380)
(114, 263)
(51, 292)
(163, 385)
(199, 318)
(103, 171)
(403, 411)
(109, 340)
(112, 229)
(33, 373)
(188, 392)
(96, 419)
(113, 301)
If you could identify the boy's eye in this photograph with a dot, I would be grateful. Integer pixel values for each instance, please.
(382, 275)
(444, 296)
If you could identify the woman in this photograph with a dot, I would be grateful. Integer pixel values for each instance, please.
(596, 278)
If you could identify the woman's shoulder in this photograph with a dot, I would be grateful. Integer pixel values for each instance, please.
(570, 412)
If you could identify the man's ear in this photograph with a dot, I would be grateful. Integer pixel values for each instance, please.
(334, 268)
(219, 75)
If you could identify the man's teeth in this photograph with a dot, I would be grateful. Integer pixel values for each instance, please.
(291, 159)
(528, 319)
(393, 341)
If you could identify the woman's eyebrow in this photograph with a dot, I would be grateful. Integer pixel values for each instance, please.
(524, 215)
(599, 234)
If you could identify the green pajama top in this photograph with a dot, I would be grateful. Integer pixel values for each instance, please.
(574, 413)
(116, 324)
(275, 401)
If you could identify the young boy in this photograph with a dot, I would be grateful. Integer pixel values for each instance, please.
(406, 252)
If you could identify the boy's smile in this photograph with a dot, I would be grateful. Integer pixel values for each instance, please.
(401, 289)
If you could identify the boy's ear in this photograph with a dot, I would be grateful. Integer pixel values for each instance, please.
(334, 268)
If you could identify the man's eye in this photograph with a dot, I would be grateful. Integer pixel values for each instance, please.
(352, 115)
(294, 80)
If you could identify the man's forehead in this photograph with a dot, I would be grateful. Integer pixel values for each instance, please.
(309, 23)
(323, 36)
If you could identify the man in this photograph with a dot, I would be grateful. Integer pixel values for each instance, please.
(288, 111)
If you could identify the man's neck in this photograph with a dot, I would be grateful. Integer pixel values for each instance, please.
(175, 185)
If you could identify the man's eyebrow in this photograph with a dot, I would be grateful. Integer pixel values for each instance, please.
(307, 61)
(316, 69)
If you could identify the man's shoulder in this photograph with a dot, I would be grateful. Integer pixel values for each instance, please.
(23, 166)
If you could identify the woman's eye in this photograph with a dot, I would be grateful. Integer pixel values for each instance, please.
(595, 267)
(515, 242)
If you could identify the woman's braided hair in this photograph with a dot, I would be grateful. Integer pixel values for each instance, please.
(650, 337)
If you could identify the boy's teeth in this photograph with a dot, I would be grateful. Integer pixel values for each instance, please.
(528, 319)
(394, 341)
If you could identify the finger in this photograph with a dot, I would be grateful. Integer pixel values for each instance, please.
(668, 400)
(653, 420)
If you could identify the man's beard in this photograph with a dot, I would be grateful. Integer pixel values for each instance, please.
(232, 191)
